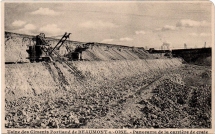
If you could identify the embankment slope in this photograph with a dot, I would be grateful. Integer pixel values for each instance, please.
(35, 78)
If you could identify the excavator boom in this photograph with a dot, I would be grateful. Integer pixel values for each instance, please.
(60, 43)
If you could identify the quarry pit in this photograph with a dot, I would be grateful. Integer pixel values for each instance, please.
(121, 87)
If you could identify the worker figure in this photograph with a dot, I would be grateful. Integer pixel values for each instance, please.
(80, 55)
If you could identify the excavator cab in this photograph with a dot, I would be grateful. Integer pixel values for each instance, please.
(77, 53)
(39, 50)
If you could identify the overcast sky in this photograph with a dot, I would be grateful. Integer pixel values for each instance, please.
(141, 24)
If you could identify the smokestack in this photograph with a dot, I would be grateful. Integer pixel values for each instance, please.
(185, 46)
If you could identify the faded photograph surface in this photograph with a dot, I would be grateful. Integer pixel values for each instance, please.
(111, 65)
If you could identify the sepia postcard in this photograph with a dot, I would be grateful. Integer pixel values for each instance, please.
(107, 67)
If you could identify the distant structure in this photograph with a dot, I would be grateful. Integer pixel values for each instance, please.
(165, 46)
(185, 46)
(162, 47)
(205, 45)
(146, 48)
(151, 50)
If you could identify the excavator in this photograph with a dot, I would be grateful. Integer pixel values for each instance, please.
(42, 50)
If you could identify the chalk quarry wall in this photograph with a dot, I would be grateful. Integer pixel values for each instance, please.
(36, 78)
(103, 62)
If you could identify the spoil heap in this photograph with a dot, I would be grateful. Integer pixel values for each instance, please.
(17, 44)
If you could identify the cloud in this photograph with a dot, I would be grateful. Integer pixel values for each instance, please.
(27, 29)
(97, 25)
(18, 23)
(30, 27)
(140, 32)
(45, 11)
(107, 40)
(200, 35)
(51, 29)
(167, 28)
(191, 23)
(126, 39)
(184, 23)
